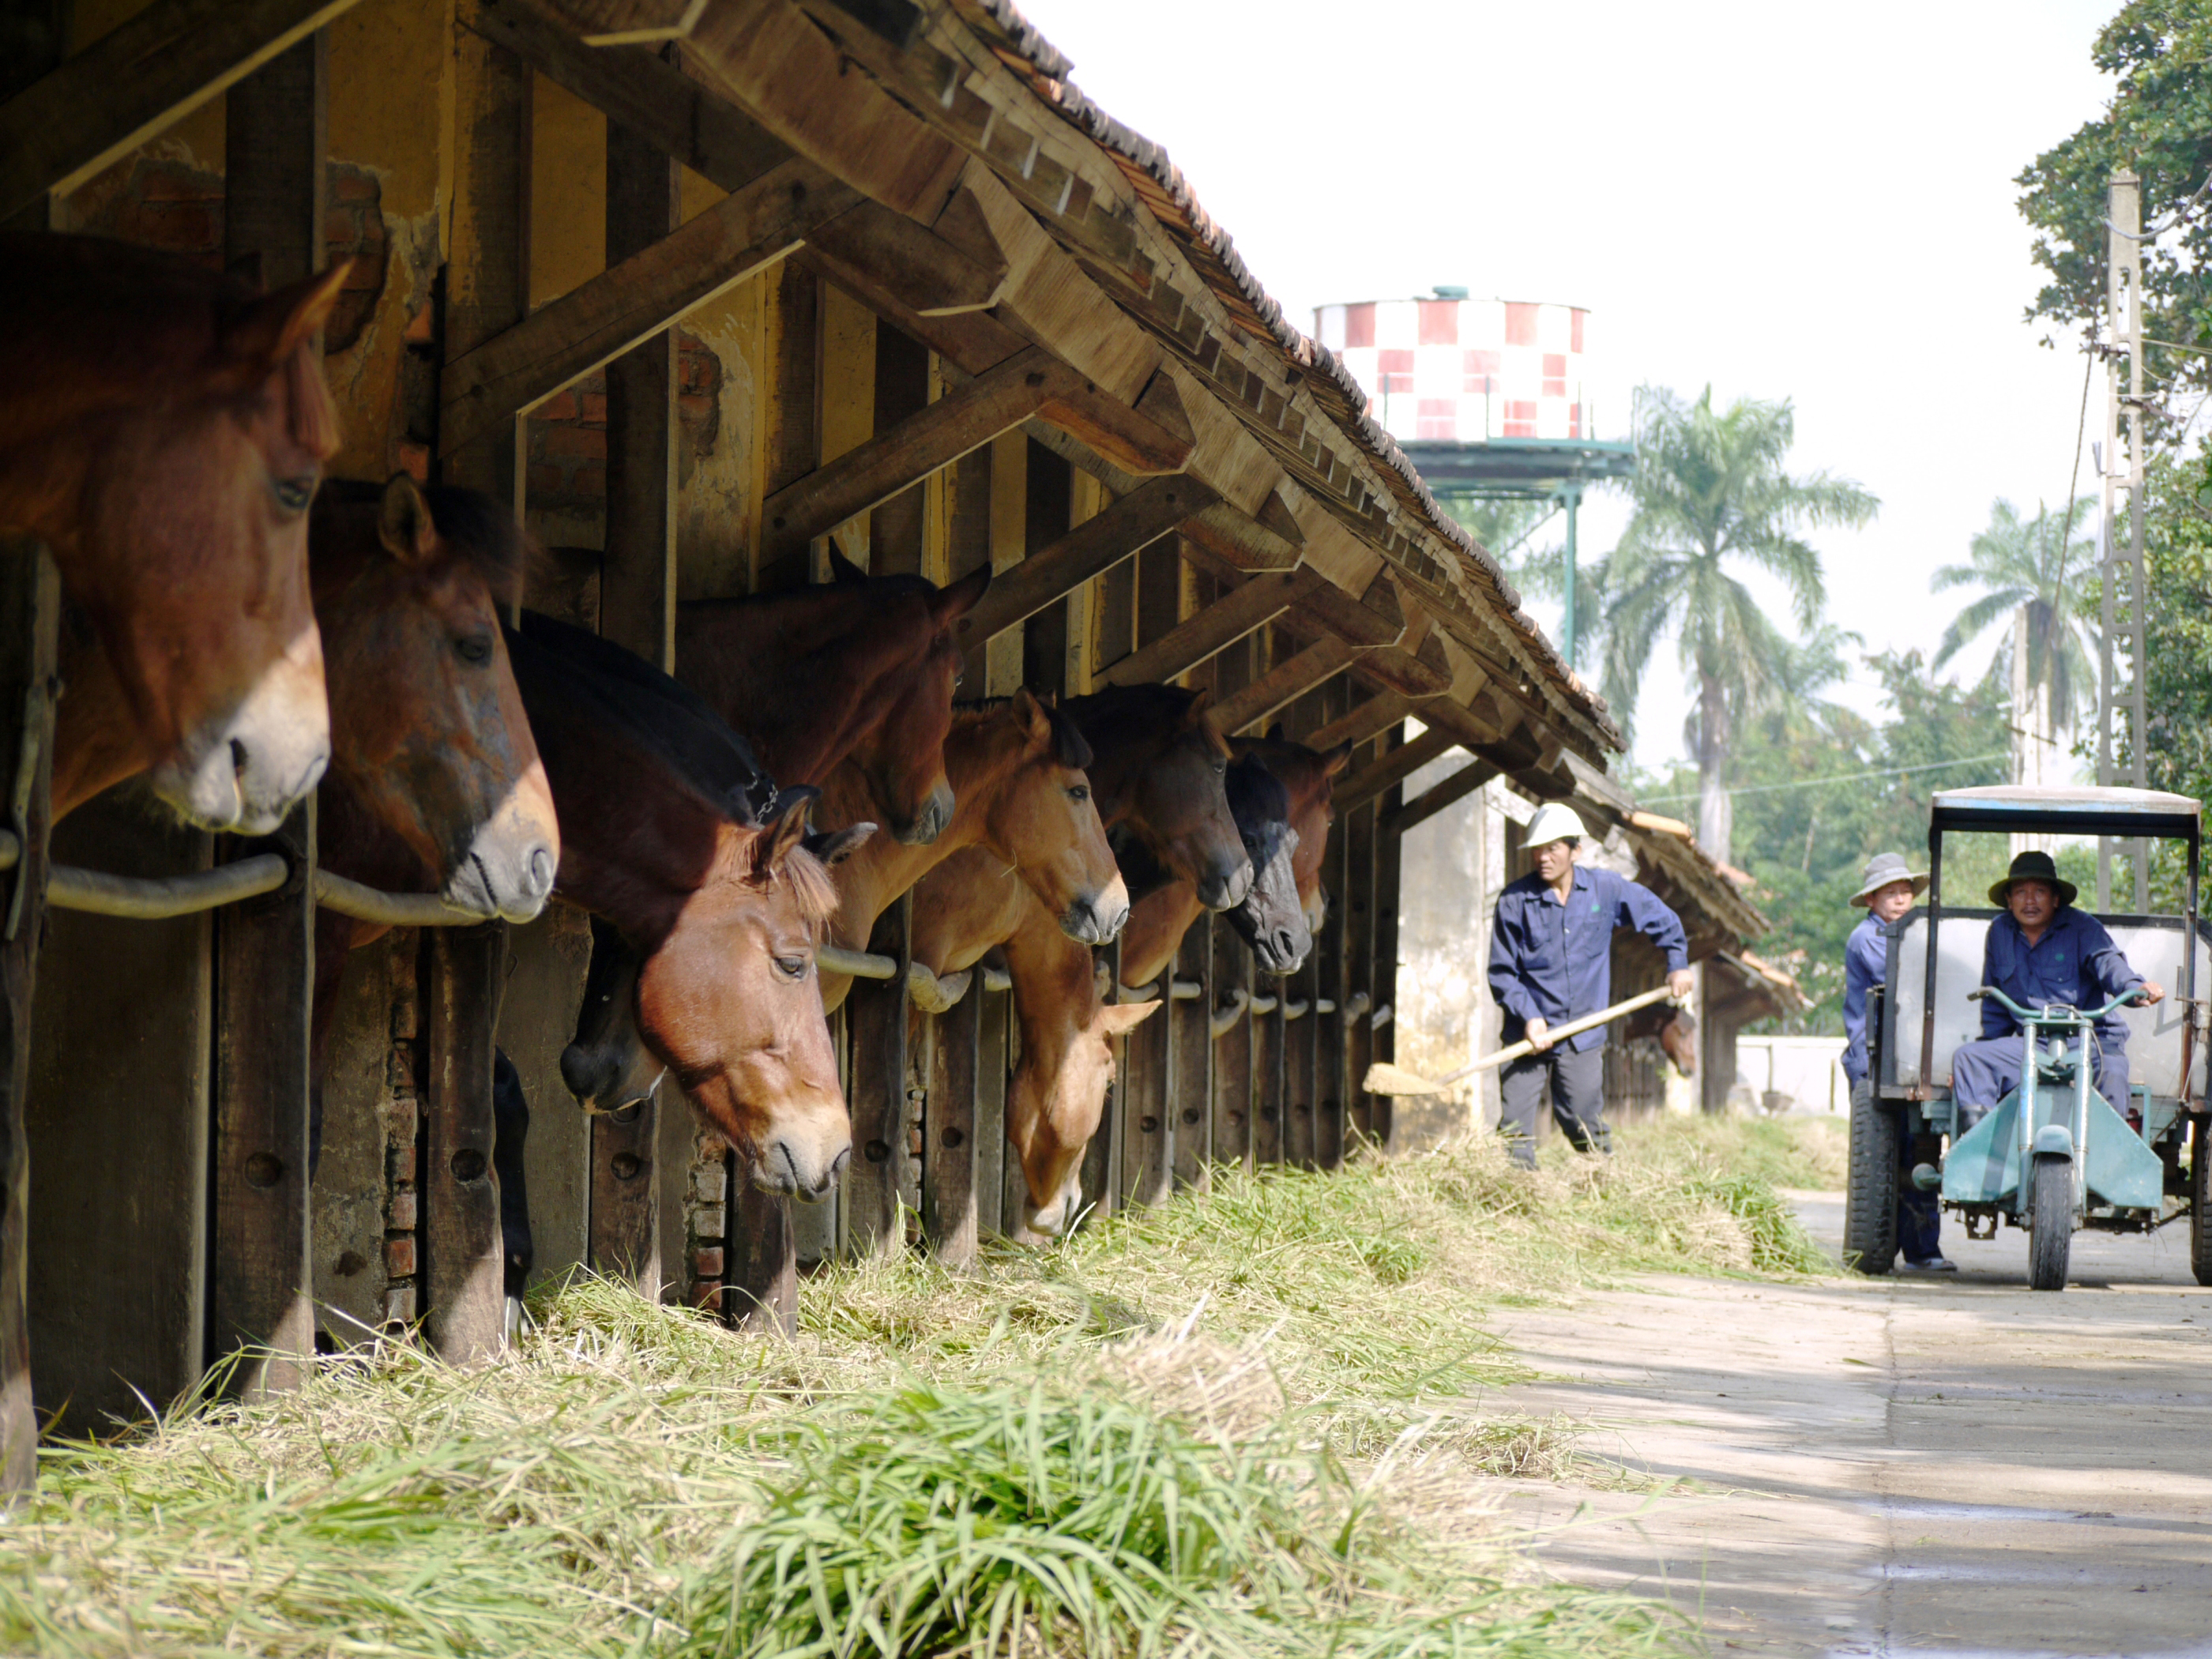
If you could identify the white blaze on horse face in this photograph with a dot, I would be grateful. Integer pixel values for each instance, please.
(245, 774)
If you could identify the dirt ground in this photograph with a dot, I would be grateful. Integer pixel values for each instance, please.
(1957, 1467)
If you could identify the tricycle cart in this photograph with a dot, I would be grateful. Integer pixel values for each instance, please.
(2054, 1156)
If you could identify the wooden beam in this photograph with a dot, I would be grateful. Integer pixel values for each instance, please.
(276, 150)
(629, 23)
(1243, 542)
(1467, 728)
(1332, 610)
(1366, 721)
(1286, 682)
(486, 290)
(1091, 548)
(637, 580)
(1402, 671)
(96, 107)
(965, 418)
(1220, 625)
(1437, 796)
(746, 231)
(464, 1269)
(1394, 768)
(932, 275)
(876, 1016)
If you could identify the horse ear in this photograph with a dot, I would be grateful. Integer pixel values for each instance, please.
(1335, 759)
(785, 830)
(1031, 715)
(404, 523)
(1119, 1019)
(1275, 733)
(838, 845)
(956, 601)
(271, 329)
(842, 569)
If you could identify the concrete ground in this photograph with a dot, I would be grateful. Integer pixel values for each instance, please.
(1959, 1467)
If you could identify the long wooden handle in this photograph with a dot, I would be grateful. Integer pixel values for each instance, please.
(1515, 1050)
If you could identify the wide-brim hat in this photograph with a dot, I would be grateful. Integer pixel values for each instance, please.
(2031, 866)
(1882, 870)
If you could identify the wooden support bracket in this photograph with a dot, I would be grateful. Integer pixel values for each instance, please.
(1286, 682)
(1092, 547)
(1437, 796)
(1367, 721)
(1256, 602)
(1394, 768)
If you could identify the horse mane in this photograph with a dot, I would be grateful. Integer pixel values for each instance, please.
(1069, 746)
(812, 888)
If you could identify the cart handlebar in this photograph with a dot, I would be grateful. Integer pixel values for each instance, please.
(2090, 1017)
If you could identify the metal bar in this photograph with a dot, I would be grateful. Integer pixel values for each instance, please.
(860, 964)
(350, 898)
(157, 899)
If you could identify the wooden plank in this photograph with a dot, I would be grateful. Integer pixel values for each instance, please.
(1329, 608)
(463, 1270)
(1102, 1154)
(1365, 722)
(762, 1274)
(1268, 1077)
(1301, 1064)
(1437, 796)
(30, 608)
(1221, 624)
(1147, 1123)
(994, 1156)
(932, 275)
(1357, 905)
(1401, 670)
(277, 149)
(260, 1268)
(1286, 682)
(1332, 984)
(1089, 550)
(1371, 780)
(1190, 1058)
(792, 77)
(1381, 1117)
(628, 22)
(1470, 730)
(1231, 1104)
(487, 286)
(963, 420)
(1243, 542)
(739, 235)
(950, 1169)
(876, 1015)
(94, 108)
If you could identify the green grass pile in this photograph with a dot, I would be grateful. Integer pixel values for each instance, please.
(1245, 1424)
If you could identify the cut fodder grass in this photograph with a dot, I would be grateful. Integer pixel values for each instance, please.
(578, 1497)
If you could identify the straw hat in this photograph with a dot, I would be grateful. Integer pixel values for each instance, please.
(1882, 869)
(2031, 866)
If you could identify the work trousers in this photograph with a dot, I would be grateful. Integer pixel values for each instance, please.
(1577, 1080)
(1984, 1072)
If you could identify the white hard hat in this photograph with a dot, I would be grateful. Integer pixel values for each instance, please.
(1554, 821)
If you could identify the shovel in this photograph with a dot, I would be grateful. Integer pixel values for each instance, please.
(1384, 1078)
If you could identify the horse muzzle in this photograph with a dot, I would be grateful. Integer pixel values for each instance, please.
(604, 1079)
(792, 1166)
(1224, 888)
(246, 774)
(1280, 951)
(928, 824)
(1097, 918)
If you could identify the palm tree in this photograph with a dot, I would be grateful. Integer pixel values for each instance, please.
(1710, 494)
(2041, 566)
(1513, 530)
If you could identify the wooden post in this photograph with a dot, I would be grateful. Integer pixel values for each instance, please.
(950, 1165)
(876, 1016)
(1269, 1097)
(991, 1158)
(261, 1272)
(488, 268)
(1381, 1115)
(1301, 1060)
(1233, 1051)
(1190, 1058)
(637, 608)
(30, 605)
(1147, 1128)
(463, 1272)
(1331, 1087)
(1358, 899)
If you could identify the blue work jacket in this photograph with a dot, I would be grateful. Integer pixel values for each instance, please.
(1866, 962)
(1553, 961)
(2074, 962)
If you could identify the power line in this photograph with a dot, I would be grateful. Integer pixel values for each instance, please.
(1841, 777)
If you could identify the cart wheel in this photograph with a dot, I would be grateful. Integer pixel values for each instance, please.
(1870, 1205)
(2200, 1200)
(2051, 1223)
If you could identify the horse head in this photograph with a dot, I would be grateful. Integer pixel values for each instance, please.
(433, 740)
(727, 999)
(1306, 778)
(1159, 768)
(165, 432)
(1058, 1092)
(1042, 821)
(1269, 919)
(917, 671)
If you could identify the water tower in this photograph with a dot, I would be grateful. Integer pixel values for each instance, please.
(1489, 398)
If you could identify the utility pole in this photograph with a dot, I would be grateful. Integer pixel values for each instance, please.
(2122, 461)
(1569, 497)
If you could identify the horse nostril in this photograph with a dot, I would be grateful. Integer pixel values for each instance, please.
(541, 871)
(239, 760)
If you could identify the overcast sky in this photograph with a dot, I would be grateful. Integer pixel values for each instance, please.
(1814, 203)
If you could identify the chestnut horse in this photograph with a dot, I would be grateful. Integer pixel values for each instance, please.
(162, 430)
(721, 908)
(860, 670)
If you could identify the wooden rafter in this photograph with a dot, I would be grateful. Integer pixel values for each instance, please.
(1092, 547)
(123, 89)
(1284, 683)
(1395, 767)
(740, 234)
(1366, 720)
(1437, 796)
(1258, 601)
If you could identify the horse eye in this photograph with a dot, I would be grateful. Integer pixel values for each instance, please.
(792, 967)
(1079, 792)
(475, 649)
(293, 494)
(1220, 768)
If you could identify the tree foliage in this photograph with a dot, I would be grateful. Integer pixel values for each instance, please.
(1711, 497)
(2042, 563)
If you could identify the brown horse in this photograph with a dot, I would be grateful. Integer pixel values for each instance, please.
(722, 908)
(163, 430)
(859, 670)
(1017, 774)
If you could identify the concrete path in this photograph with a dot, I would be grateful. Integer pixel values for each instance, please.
(1957, 1467)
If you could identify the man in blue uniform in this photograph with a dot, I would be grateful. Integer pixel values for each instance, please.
(2043, 951)
(1551, 962)
(1888, 891)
